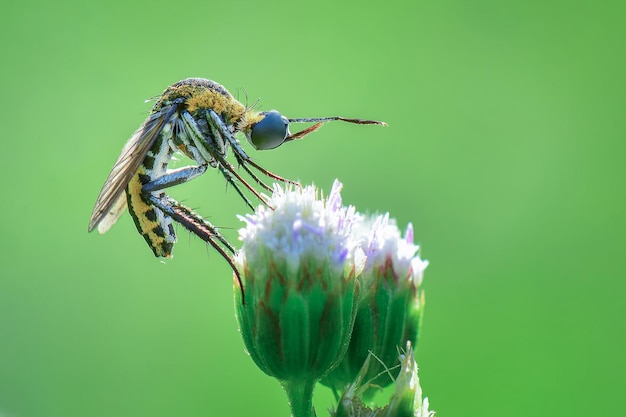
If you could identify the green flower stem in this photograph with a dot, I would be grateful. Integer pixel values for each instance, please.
(300, 395)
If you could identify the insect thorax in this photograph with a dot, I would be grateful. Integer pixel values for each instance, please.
(200, 95)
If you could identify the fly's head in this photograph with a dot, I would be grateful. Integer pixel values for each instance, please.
(270, 129)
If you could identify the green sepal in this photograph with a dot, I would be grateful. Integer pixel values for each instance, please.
(293, 332)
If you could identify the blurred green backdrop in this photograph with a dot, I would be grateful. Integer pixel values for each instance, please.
(505, 148)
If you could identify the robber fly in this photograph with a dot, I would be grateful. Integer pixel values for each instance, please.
(199, 118)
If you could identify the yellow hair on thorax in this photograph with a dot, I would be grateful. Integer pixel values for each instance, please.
(249, 118)
(202, 98)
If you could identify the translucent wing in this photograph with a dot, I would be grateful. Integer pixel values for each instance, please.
(111, 202)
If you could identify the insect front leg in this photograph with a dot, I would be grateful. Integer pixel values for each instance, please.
(241, 156)
(231, 180)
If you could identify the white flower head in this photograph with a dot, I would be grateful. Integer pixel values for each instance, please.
(299, 226)
(382, 243)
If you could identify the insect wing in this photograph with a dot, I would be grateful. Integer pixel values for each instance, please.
(111, 201)
(116, 210)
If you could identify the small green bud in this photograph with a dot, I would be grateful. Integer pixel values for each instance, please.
(298, 262)
(406, 400)
(390, 308)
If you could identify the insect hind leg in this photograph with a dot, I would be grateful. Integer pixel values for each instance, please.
(199, 227)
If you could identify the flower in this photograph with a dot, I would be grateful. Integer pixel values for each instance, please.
(299, 262)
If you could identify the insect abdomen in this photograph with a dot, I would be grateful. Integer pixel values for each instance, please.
(154, 225)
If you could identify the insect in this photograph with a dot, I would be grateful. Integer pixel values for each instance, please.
(199, 118)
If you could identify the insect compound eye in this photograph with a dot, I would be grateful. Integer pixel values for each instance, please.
(270, 132)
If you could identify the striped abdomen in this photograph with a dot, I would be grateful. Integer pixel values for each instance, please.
(154, 225)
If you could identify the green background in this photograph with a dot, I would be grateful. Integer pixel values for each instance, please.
(505, 148)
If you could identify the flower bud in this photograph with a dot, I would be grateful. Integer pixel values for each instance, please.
(390, 307)
(406, 400)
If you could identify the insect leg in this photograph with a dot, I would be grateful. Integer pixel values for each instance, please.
(185, 136)
(241, 156)
(219, 131)
(231, 180)
(174, 177)
(208, 151)
(199, 227)
(180, 176)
